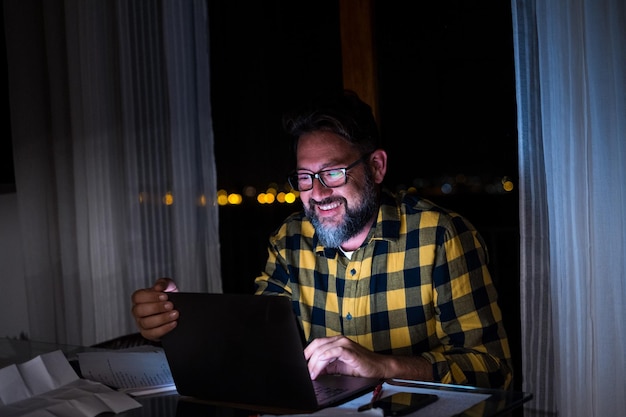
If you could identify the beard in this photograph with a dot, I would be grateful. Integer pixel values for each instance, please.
(353, 221)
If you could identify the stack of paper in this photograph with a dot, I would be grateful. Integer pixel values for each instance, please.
(48, 386)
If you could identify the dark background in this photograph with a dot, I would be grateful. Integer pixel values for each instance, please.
(446, 83)
(7, 174)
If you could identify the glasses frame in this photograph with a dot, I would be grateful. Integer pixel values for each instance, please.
(316, 175)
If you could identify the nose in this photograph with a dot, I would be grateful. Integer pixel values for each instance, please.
(319, 189)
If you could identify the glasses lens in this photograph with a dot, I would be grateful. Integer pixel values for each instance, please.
(333, 177)
(301, 181)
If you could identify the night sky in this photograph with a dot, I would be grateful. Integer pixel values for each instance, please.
(446, 85)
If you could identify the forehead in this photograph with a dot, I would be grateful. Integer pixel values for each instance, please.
(323, 148)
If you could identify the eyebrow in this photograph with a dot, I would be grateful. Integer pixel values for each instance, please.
(326, 166)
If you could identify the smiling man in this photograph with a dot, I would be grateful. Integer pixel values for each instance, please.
(384, 285)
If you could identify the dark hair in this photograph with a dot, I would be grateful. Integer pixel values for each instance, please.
(343, 114)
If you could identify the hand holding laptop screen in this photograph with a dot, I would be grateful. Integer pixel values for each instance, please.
(383, 285)
(154, 314)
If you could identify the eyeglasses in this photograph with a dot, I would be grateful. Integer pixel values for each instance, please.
(329, 178)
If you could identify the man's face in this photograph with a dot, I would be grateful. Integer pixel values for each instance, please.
(345, 212)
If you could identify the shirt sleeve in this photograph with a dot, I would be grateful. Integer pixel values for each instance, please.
(475, 348)
(274, 280)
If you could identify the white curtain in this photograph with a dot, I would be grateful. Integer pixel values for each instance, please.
(571, 89)
(114, 159)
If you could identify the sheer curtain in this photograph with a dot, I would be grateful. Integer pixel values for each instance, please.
(114, 159)
(571, 86)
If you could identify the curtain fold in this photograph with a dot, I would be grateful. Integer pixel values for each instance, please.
(114, 168)
(571, 94)
(535, 288)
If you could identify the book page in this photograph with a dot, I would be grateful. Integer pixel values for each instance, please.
(128, 369)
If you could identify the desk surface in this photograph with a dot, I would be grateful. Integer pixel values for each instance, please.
(172, 405)
(500, 403)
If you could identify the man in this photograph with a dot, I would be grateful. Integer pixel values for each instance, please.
(384, 286)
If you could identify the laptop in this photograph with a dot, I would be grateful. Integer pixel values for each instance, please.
(246, 351)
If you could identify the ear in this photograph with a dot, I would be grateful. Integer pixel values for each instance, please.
(378, 163)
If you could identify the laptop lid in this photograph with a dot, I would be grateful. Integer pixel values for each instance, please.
(247, 350)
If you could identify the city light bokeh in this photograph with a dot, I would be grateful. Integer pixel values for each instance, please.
(276, 194)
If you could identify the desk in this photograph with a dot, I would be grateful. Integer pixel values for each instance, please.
(500, 403)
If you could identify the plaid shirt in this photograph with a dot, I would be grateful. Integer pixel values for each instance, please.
(419, 285)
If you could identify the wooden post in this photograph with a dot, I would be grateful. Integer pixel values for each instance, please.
(358, 50)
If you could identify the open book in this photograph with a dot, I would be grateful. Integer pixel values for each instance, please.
(136, 371)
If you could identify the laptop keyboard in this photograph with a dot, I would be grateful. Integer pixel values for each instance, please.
(323, 391)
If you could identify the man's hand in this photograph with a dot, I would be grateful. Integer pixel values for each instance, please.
(153, 313)
(340, 355)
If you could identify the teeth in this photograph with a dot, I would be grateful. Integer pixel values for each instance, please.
(329, 206)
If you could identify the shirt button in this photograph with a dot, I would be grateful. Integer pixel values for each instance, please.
(349, 316)
(353, 271)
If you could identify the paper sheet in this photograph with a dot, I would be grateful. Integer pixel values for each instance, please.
(47, 386)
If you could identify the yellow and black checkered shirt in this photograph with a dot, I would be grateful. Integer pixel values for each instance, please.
(419, 285)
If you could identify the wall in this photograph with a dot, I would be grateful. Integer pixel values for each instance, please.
(12, 287)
